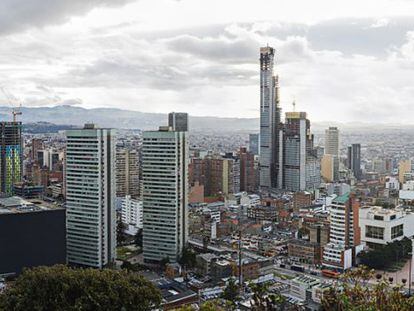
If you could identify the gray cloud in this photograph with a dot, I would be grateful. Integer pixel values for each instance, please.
(345, 66)
(17, 15)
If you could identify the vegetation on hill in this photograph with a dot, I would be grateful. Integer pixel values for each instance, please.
(61, 288)
(387, 255)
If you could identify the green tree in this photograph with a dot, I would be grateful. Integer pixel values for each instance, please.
(188, 258)
(120, 235)
(386, 255)
(263, 300)
(164, 262)
(210, 305)
(354, 293)
(61, 288)
(138, 238)
(231, 292)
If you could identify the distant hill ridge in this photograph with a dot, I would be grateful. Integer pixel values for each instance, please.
(129, 119)
(126, 119)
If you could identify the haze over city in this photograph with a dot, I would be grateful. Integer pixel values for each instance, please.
(341, 62)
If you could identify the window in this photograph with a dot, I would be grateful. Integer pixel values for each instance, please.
(392, 217)
(374, 232)
(397, 231)
(376, 217)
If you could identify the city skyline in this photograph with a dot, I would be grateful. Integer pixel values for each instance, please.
(131, 55)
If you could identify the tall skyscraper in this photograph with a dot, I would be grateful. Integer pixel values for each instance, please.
(11, 161)
(354, 160)
(332, 141)
(90, 196)
(269, 120)
(299, 165)
(127, 173)
(165, 193)
(178, 121)
(345, 234)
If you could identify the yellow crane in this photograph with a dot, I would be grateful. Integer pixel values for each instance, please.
(12, 100)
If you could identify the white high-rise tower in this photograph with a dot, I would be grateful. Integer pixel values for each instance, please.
(332, 141)
(165, 193)
(90, 196)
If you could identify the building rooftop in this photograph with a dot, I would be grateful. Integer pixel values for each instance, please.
(304, 279)
(341, 199)
(15, 204)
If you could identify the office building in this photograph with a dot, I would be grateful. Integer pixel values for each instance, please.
(127, 173)
(132, 214)
(301, 285)
(49, 158)
(254, 144)
(219, 175)
(300, 200)
(32, 233)
(37, 144)
(178, 121)
(332, 141)
(165, 194)
(269, 120)
(90, 196)
(354, 160)
(345, 233)
(380, 226)
(299, 168)
(330, 168)
(404, 168)
(247, 170)
(11, 160)
(27, 190)
(305, 251)
(233, 169)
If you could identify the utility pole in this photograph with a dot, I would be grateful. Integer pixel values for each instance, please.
(240, 262)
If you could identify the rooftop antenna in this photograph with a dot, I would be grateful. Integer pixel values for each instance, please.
(294, 105)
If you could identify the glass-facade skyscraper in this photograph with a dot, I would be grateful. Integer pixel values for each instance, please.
(269, 120)
(11, 161)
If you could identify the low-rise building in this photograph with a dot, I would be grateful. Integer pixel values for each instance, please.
(319, 291)
(301, 199)
(203, 263)
(175, 294)
(250, 269)
(32, 233)
(220, 269)
(262, 213)
(380, 226)
(132, 214)
(304, 251)
(302, 285)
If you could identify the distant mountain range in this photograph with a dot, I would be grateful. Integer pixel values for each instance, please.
(124, 119)
(65, 116)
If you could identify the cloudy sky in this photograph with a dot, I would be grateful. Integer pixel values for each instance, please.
(340, 60)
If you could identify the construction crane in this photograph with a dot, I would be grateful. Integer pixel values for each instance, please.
(12, 100)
